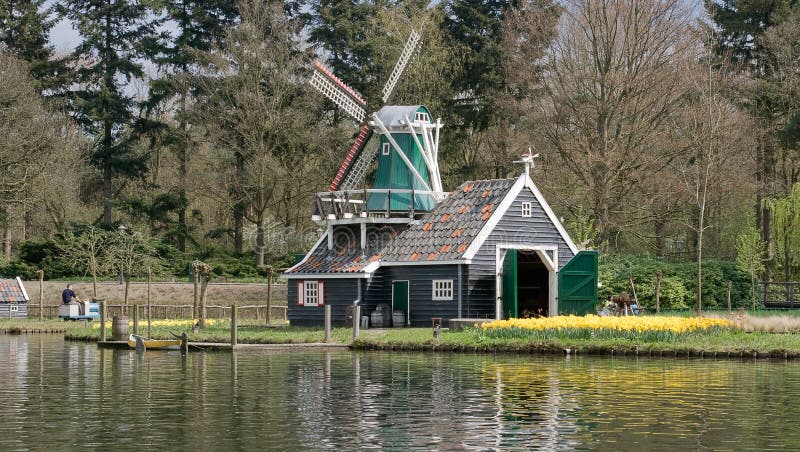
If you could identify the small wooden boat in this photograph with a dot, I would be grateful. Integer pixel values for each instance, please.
(143, 343)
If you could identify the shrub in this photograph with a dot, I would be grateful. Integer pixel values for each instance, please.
(678, 284)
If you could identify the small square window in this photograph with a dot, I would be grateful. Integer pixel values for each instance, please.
(310, 293)
(14, 307)
(527, 210)
(386, 149)
(442, 289)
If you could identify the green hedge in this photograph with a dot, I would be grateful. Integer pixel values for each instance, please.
(679, 282)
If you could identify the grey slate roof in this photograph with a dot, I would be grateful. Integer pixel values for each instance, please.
(392, 115)
(346, 255)
(446, 232)
(12, 291)
(443, 234)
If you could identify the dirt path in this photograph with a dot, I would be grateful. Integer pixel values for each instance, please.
(162, 293)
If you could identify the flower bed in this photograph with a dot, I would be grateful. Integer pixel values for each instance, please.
(647, 329)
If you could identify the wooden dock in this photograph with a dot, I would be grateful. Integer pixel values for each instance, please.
(223, 346)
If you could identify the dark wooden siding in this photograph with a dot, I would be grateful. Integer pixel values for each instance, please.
(420, 281)
(512, 229)
(21, 312)
(339, 293)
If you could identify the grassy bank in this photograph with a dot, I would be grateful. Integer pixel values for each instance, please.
(735, 343)
(718, 342)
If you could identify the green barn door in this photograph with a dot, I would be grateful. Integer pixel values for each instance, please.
(510, 284)
(400, 297)
(577, 285)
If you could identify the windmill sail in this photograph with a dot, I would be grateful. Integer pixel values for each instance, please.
(402, 63)
(352, 156)
(334, 89)
(360, 167)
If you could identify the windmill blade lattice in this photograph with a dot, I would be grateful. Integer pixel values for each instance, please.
(360, 167)
(402, 63)
(334, 89)
(355, 152)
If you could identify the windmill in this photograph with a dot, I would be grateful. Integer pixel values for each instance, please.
(407, 147)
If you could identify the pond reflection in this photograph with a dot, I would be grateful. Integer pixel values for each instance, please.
(75, 396)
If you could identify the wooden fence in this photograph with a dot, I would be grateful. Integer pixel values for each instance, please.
(781, 294)
(171, 311)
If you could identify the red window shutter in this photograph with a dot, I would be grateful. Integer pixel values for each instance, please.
(300, 293)
(321, 293)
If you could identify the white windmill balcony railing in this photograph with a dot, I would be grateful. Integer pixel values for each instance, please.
(374, 203)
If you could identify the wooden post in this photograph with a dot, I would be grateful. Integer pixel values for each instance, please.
(356, 321)
(327, 323)
(658, 292)
(40, 274)
(233, 325)
(103, 317)
(729, 296)
(195, 313)
(136, 319)
(269, 295)
(149, 311)
(633, 288)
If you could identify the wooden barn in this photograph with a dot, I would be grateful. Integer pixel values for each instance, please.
(13, 299)
(489, 249)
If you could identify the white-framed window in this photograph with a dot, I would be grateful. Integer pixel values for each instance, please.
(421, 117)
(14, 307)
(386, 148)
(311, 293)
(442, 289)
(527, 210)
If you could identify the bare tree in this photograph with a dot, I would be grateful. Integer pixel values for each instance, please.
(612, 81)
(262, 115)
(710, 131)
(33, 140)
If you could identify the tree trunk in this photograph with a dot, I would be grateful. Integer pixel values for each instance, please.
(238, 207)
(27, 225)
(260, 243)
(182, 174)
(659, 228)
(699, 272)
(94, 285)
(195, 293)
(7, 237)
(787, 258)
(203, 288)
(107, 194)
(127, 286)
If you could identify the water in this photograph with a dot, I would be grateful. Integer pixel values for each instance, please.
(57, 395)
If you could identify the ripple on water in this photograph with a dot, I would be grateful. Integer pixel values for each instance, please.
(58, 395)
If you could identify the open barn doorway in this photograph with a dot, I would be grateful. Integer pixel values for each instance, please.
(532, 286)
(526, 282)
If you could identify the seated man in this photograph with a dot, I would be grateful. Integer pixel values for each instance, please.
(68, 295)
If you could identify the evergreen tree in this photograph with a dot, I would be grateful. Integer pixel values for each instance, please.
(739, 29)
(24, 28)
(741, 23)
(116, 36)
(342, 30)
(200, 24)
(478, 27)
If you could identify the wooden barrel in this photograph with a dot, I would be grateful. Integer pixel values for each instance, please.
(398, 319)
(119, 328)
